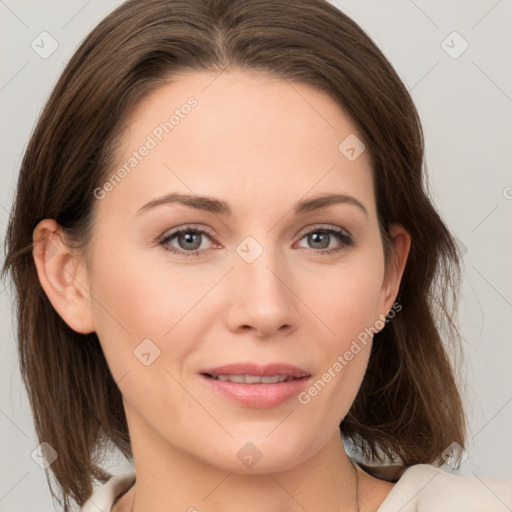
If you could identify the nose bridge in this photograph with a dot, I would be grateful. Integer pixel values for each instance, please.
(261, 297)
(259, 265)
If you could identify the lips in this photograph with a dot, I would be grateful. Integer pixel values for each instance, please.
(257, 386)
(268, 370)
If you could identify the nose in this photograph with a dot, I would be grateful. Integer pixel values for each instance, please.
(260, 296)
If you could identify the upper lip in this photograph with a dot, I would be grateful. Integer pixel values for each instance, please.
(267, 370)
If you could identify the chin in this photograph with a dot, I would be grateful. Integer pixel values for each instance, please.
(262, 454)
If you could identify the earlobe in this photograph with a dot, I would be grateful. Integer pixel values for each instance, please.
(62, 277)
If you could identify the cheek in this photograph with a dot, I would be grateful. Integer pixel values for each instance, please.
(134, 301)
(145, 295)
(349, 308)
(348, 302)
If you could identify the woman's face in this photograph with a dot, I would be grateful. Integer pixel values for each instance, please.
(254, 278)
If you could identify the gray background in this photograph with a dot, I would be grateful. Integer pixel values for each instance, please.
(465, 104)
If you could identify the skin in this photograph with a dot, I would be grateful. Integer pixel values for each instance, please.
(261, 144)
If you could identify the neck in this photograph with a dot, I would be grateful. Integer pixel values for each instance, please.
(169, 479)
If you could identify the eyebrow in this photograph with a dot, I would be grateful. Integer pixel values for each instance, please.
(218, 206)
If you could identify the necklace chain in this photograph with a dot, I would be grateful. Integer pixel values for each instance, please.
(357, 484)
(356, 495)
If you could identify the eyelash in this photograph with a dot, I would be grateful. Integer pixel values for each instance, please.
(341, 235)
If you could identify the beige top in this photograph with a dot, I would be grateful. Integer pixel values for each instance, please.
(422, 488)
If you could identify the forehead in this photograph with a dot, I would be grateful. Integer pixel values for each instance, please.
(242, 136)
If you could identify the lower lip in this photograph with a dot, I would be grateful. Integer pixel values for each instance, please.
(259, 396)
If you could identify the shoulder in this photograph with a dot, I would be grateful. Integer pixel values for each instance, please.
(427, 488)
(103, 497)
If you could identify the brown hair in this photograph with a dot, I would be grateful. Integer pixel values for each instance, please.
(408, 407)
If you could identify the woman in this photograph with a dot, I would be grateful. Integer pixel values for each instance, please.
(228, 267)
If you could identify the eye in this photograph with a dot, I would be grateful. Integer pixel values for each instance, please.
(191, 241)
(186, 241)
(332, 239)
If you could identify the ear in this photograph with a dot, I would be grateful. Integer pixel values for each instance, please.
(401, 243)
(63, 278)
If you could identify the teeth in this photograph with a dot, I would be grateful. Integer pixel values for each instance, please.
(252, 379)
